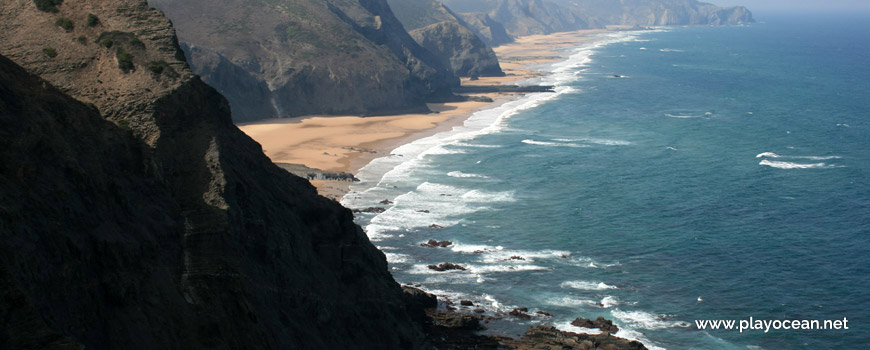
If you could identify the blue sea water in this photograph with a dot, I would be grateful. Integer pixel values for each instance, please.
(724, 175)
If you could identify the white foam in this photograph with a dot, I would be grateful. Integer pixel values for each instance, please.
(474, 145)
(670, 50)
(774, 155)
(395, 258)
(767, 154)
(586, 285)
(680, 116)
(460, 174)
(431, 204)
(568, 327)
(790, 165)
(646, 320)
(528, 256)
(609, 302)
(498, 268)
(552, 144)
(473, 248)
(603, 142)
(571, 301)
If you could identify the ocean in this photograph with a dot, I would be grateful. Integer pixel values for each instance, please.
(676, 174)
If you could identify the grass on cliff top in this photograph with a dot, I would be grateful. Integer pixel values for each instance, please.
(48, 5)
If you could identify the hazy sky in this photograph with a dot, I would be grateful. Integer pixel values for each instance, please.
(786, 5)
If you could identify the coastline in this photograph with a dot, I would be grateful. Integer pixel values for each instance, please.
(348, 143)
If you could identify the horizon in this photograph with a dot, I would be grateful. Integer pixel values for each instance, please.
(786, 6)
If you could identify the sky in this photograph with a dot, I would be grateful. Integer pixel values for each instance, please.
(794, 5)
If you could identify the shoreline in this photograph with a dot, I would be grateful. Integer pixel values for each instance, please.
(348, 143)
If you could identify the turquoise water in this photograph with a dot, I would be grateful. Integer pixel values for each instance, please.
(723, 175)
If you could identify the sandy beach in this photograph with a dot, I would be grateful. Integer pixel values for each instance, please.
(347, 143)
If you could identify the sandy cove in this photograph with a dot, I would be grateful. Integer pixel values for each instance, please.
(347, 143)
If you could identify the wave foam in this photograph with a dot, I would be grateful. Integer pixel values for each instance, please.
(586, 285)
(603, 142)
(460, 174)
(646, 320)
(790, 165)
(552, 144)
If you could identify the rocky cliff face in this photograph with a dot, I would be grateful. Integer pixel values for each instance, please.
(142, 218)
(441, 32)
(465, 53)
(527, 17)
(298, 57)
(492, 32)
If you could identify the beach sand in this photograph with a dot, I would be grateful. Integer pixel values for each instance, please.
(347, 143)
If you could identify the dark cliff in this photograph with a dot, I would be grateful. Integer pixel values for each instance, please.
(299, 57)
(145, 219)
(441, 32)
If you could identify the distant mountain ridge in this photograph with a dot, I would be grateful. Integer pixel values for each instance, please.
(527, 17)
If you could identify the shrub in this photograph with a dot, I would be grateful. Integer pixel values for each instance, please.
(93, 21)
(82, 39)
(107, 43)
(64, 23)
(50, 52)
(135, 42)
(125, 60)
(156, 67)
(123, 123)
(47, 5)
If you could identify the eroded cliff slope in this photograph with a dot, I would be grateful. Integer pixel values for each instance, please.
(441, 32)
(298, 57)
(135, 215)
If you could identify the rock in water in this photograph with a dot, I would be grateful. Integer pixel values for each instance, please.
(446, 267)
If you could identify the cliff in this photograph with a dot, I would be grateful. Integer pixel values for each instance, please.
(492, 32)
(528, 17)
(293, 57)
(135, 215)
(440, 31)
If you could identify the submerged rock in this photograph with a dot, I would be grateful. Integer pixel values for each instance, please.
(446, 267)
(433, 243)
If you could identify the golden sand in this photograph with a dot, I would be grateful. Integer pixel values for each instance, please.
(347, 143)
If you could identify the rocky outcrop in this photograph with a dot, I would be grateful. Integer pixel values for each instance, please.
(550, 338)
(461, 49)
(601, 323)
(301, 57)
(440, 31)
(142, 218)
(492, 32)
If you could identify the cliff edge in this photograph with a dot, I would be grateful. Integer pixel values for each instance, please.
(135, 215)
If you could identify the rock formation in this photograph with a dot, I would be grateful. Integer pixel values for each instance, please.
(135, 215)
(299, 57)
(441, 32)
